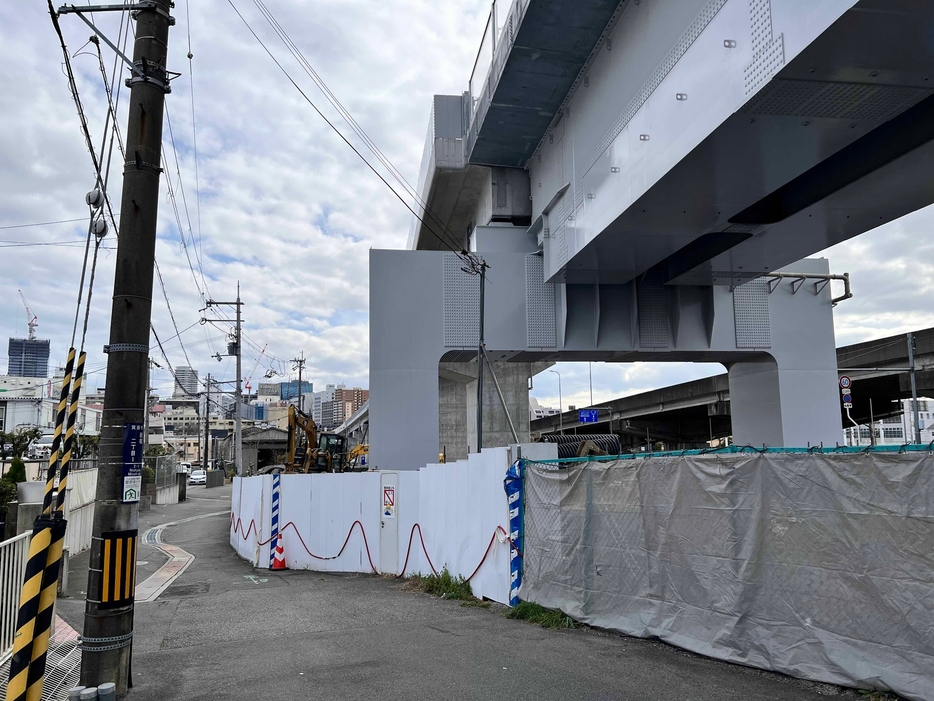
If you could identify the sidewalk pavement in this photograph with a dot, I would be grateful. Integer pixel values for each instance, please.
(226, 631)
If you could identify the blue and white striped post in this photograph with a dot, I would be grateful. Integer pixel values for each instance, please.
(513, 486)
(275, 518)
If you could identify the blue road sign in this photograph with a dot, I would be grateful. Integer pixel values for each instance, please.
(847, 398)
(588, 416)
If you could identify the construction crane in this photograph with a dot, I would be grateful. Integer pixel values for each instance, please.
(246, 382)
(32, 321)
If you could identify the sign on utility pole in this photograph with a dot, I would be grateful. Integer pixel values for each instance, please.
(108, 617)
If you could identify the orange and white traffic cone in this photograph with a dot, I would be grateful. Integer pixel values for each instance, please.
(278, 562)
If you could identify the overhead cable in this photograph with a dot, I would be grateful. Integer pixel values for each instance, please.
(463, 254)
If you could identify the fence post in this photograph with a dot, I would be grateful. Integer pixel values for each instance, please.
(514, 498)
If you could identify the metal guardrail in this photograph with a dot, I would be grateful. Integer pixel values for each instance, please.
(13, 555)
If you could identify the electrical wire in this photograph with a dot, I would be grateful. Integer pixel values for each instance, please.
(348, 117)
(194, 126)
(465, 256)
(181, 190)
(42, 223)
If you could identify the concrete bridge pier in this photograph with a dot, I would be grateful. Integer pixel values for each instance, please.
(776, 341)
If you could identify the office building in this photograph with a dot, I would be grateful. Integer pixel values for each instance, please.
(186, 382)
(28, 357)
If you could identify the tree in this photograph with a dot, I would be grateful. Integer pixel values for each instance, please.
(86, 446)
(17, 471)
(18, 441)
(155, 451)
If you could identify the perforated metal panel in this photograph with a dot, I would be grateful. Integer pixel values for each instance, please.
(768, 52)
(559, 231)
(728, 277)
(653, 313)
(461, 304)
(539, 305)
(834, 100)
(684, 43)
(751, 315)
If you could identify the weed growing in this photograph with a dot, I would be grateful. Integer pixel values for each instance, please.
(539, 615)
(444, 584)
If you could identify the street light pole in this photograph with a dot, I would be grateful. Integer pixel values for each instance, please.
(560, 403)
(914, 387)
(590, 367)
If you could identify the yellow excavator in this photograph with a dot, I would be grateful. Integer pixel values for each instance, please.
(310, 451)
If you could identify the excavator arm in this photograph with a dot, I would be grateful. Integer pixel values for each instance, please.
(300, 421)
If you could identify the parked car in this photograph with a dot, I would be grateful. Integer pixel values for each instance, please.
(183, 467)
(198, 477)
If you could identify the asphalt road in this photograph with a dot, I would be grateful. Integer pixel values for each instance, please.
(226, 631)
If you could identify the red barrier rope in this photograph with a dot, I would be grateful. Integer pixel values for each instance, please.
(237, 525)
(424, 550)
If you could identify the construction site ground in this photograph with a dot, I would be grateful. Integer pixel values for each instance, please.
(224, 630)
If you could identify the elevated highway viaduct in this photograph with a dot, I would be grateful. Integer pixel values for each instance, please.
(631, 173)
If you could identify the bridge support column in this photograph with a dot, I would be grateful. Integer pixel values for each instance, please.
(776, 405)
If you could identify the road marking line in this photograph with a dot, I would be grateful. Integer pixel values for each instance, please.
(179, 560)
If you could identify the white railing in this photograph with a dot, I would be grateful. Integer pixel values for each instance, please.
(13, 555)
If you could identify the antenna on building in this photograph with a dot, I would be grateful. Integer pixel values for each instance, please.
(32, 321)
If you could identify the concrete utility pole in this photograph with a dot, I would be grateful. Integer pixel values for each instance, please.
(207, 422)
(300, 365)
(236, 351)
(108, 618)
(238, 425)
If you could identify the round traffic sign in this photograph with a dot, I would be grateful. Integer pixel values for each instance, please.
(845, 382)
(847, 398)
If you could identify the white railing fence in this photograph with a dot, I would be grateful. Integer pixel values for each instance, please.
(13, 555)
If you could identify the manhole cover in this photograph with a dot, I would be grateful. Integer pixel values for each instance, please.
(187, 589)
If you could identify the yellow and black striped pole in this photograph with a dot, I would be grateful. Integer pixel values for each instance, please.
(57, 436)
(28, 609)
(70, 431)
(44, 614)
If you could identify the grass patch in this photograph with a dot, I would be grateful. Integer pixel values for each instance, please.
(539, 615)
(878, 695)
(444, 585)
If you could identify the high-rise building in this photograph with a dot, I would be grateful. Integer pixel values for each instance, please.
(186, 382)
(289, 390)
(28, 358)
(341, 405)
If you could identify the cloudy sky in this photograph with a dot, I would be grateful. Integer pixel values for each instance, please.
(279, 203)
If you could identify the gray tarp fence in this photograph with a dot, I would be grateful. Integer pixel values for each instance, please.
(818, 566)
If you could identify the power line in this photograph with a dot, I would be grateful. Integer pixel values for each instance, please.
(348, 118)
(181, 189)
(194, 125)
(463, 254)
(44, 223)
(27, 244)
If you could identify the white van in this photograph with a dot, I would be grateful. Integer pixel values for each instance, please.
(183, 467)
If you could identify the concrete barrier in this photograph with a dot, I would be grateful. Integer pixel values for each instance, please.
(215, 478)
(166, 495)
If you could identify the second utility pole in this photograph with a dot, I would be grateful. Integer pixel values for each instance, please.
(108, 615)
(207, 422)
